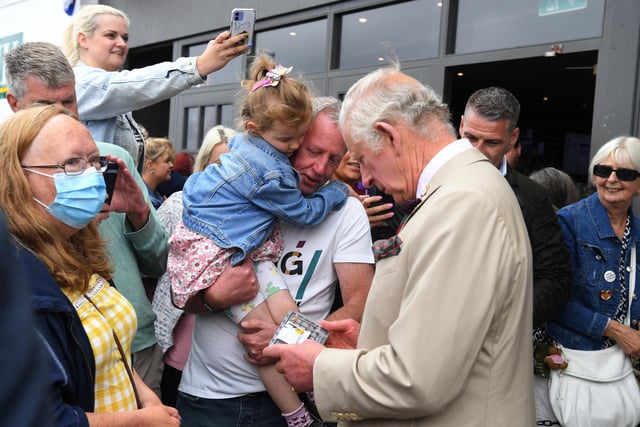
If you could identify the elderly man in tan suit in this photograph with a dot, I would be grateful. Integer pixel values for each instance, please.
(445, 337)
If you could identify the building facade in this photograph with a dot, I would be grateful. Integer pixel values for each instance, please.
(573, 64)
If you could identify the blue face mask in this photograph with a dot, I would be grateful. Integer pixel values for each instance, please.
(79, 198)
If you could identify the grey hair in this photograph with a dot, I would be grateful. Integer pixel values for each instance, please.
(493, 104)
(559, 186)
(622, 149)
(41, 60)
(327, 104)
(86, 22)
(216, 135)
(378, 98)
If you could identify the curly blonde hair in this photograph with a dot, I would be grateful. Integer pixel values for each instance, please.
(71, 261)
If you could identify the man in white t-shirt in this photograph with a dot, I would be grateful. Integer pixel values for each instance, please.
(219, 384)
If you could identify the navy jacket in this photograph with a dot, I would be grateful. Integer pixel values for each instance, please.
(71, 374)
(24, 394)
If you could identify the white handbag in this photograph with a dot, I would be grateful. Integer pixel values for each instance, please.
(598, 388)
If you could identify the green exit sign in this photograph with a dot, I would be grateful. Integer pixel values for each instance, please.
(551, 7)
(6, 44)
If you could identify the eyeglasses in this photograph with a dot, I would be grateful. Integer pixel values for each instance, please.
(623, 174)
(76, 165)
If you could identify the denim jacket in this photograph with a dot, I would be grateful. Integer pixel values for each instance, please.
(595, 252)
(106, 98)
(236, 203)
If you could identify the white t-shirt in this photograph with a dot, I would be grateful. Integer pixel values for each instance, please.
(216, 368)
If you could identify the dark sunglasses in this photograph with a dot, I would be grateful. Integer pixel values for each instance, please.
(623, 174)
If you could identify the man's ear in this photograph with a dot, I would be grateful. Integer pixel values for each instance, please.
(390, 134)
(461, 126)
(13, 102)
(514, 136)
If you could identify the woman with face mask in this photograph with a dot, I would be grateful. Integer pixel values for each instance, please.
(52, 190)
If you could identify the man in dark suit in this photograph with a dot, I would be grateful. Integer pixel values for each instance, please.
(490, 124)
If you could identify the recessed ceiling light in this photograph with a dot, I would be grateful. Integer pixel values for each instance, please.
(439, 4)
(293, 33)
(459, 74)
(380, 59)
(362, 20)
(545, 98)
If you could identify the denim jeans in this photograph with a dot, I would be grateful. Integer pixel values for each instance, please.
(251, 410)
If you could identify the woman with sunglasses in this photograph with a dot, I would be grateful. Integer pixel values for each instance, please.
(600, 232)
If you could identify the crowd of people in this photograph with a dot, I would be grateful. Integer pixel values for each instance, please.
(456, 290)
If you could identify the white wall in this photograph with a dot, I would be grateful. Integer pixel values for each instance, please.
(37, 20)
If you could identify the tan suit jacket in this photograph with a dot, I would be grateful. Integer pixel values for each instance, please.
(446, 332)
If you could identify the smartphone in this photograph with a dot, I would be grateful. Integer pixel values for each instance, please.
(243, 22)
(110, 175)
(296, 328)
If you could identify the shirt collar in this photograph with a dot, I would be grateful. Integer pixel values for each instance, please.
(438, 160)
(503, 166)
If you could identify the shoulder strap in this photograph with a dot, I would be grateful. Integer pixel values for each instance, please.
(123, 356)
(632, 283)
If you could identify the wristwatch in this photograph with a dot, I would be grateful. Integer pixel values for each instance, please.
(204, 301)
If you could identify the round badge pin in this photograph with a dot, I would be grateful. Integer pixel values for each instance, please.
(606, 294)
(609, 276)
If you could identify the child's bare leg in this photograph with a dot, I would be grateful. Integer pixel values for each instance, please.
(275, 383)
(271, 305)
(279, 389)
(279, 304)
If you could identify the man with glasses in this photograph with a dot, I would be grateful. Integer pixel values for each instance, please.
(39, 72)
(490, 124)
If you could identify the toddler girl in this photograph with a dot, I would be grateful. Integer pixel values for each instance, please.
(231, 209)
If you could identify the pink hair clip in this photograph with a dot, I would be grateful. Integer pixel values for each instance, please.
(273, 77)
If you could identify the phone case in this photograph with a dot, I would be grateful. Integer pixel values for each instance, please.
(110, 175)
(243, 21)
(296, 328)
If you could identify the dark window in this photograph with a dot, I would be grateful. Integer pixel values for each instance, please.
(525, 23)
(228, 74)
(406, 31)
(304, 46)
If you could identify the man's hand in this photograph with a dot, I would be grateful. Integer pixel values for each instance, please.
(296, 362)
(257, 335)
(343, 333)
(236, 285)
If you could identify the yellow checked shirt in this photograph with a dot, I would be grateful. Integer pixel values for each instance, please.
(111, 313)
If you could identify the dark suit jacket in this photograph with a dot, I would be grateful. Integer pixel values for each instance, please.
(552, 277)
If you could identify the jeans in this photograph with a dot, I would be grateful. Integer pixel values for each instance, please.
(245, 411)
